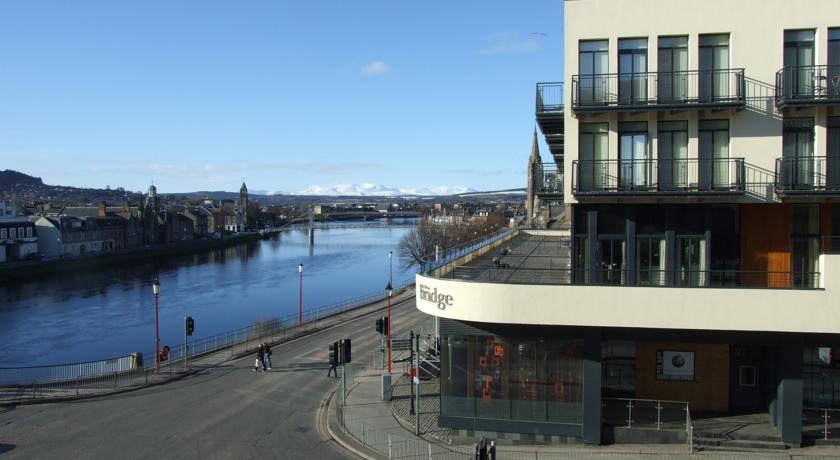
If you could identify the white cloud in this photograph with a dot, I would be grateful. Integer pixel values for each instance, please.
(510, 42)
(376, 68)
(367, 189)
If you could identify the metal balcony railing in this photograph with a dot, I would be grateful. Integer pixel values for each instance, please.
(547, 179)
(684, 176)
(549, 97)
(809, 174)
(808, 85)
(720, 88)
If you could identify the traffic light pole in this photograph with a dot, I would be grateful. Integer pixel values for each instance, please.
(389, 333)
(185, 343)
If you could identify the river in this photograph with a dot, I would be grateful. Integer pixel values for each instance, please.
(95, 314)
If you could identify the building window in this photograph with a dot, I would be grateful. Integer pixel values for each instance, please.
(799, 58)
(715, 171)
(672, 68)
(492, 377)
(714, 68)
(29, 232)
(799, 168)
(634, 170)
(746, 376)
(833, 154)
(593, 155)
(691, 261)
(805, 247)
(593, 65)
(632, 70)
(12, 233)
(673, 155)
(650, 260)
(3, 235)
(833, 74)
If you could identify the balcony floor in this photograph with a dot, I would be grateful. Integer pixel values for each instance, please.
(536, 259)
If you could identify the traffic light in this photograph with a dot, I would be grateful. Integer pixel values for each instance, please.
(385, 325)
(345, 351)
(380, 325)
(189, 324)
(334, 354)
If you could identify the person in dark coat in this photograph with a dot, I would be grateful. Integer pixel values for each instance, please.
(260, 359)
(267, 355)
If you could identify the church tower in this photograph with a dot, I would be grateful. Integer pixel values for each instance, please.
(243, 204)
(534, 179)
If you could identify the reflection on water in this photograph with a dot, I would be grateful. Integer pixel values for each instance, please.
(97, 313)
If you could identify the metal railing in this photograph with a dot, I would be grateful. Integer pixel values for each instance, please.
(68, 380)
(820, 422)
(692, 175)
(505, 274)
(549, 97)
(649, 413)
(809, 174)
(658, 90)
(547, 179)
(445, 255)
(806, 85)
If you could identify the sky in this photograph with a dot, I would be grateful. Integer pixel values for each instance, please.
(285, 95)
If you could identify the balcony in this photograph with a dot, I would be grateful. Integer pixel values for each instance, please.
(808, 86)
(528, 279)
(547, 180)
(658, 177)
(549, 113)
(654, 91)
(808, 175)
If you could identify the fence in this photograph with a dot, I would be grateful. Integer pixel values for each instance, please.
(821, 423)
(80, 379)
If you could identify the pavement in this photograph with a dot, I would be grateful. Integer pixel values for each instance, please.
(372, 428)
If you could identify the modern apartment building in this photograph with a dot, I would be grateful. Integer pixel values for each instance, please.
(699, 143)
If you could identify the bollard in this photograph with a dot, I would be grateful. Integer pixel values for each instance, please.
(389, 447)
(115, 380)
(363, 435)
(33, 388)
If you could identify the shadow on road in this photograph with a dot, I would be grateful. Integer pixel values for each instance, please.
(6, 447)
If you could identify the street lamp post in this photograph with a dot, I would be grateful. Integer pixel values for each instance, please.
(389, 290)
(390, 271)
(300, 299)
(156, 290)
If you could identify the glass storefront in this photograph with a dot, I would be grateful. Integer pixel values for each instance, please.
(490, 377)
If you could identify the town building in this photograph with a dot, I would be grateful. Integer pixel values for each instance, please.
(18, 240)
(699, 156)
(70, 236)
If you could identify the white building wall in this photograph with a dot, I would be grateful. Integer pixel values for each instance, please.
(49, 238)
(756, 30)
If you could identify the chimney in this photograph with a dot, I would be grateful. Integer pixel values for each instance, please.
(102, 209)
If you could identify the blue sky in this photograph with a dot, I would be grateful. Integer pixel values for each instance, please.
(197, 95)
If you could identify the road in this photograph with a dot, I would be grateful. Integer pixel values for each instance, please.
(228, 411)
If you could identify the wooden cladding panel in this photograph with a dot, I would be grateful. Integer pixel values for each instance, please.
(765, 242)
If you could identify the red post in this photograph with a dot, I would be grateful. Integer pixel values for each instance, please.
(389, 330)
(300, 300)
(156, 291)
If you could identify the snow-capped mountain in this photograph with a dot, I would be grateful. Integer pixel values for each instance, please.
(380, 190)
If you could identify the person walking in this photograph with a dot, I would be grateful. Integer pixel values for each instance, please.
(260, 357)
(267, 355)
(332, 369)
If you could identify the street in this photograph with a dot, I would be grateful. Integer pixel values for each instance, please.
(228, 411)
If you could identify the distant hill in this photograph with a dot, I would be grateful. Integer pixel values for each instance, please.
(10, 179)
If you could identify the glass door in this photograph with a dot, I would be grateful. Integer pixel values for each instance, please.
(691, 261)
(581, 260)
(673, 155)
(672, 69)
(833, 73)
(806, 243)
(714, 68)
(593, 62)
(593, 146)
(798, 154)
(633, 154)
(632, 69)
(650, 260)
(799, 63)
(833, 154)
(713, 164)
(611, 261)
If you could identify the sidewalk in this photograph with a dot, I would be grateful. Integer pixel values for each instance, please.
(374, 428)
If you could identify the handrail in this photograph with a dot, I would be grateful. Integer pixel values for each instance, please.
(549, 97)
(825, 416)
(807, 84)
(702, 88)
(688, 175)
(807, 174)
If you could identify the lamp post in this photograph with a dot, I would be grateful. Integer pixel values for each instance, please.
(390, 271)
(388, 291)
(300, 299)
(156, 290)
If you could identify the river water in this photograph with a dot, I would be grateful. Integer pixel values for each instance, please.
(95, 314)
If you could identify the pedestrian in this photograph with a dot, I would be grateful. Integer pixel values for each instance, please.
(332, 369)
(492, 450)
(482, 449)
(267, 355)
(260, 357)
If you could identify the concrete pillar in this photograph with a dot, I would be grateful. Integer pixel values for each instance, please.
(592, 240)
(592, 387)
(786, 408)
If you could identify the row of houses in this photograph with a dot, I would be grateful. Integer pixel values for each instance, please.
(77, 231)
